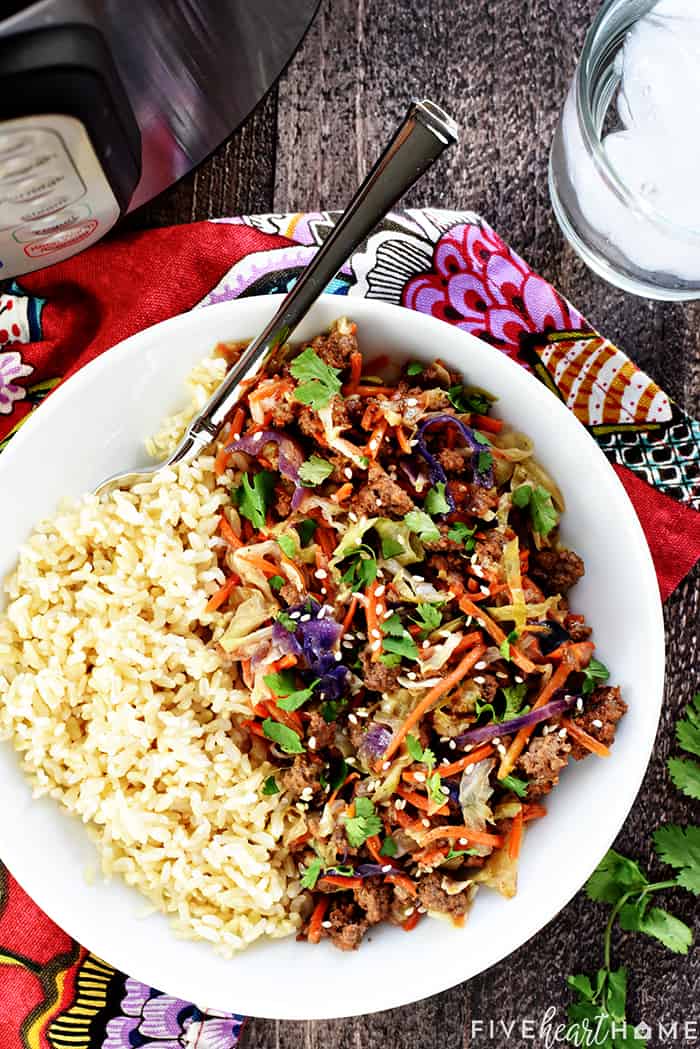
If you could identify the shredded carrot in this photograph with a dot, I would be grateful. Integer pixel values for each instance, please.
(342, 493)
(469, 759)
(296, 843)
(375, 364)
(349, 616)
(556, 681)
(411, 922)
(260, 710)
(340, 881)
(403, 819)
(267, 568)
(221, 462)
(515, 837)
(375, 439)
(474, 837)
(583, 650)
(487, 423)
(458, 921)
(228, 533)
(217, 599)
(237, 420)
(533, 811)
(326, 540)
(420, 801)
(404, 443)
(373, 849)
(315, 922)
(283, 663)
(404, 881)
(586, 740)
(255, 728)
(375, 391)
(467, 642)
(448, 682)
(348, 779)
(372, 621)
(493, 630)
(290, 718)
(355, 373)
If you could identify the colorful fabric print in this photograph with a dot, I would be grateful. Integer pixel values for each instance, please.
(12, 368)
(20, 315)
(151, 1020)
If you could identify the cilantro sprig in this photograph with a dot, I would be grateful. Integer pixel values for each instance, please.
(253, 499)
(429, 618)
(435, 501)
(360, 567)
(364, 824)
(286, 738)
(315, 471)
(317, 382)
(459, 532)
(287, 695)
(538, 500)
(592, 674)
(684, 772)
(469, 399)
(397, 643)
(423, 526)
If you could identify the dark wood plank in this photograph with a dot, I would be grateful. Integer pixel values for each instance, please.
(238, 179)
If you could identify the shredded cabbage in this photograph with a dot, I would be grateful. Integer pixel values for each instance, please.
(251, 613)
(399, 532)
(474, 792)
(335, 441)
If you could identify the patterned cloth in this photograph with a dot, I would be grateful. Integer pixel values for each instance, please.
(53, 993)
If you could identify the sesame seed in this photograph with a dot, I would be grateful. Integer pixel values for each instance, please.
(305, 618)
(444, 739)
(353, 516)
(362, 712)
(346, 644)
(386, 765)
(419, 777)
(400, 804)
(337, 656)
(323, 591)
(378, 501)
(374, 444)
(375, 646)
(463, 841)
(480, 680)
(320, 573)
(518, 679)
(496, 740)
(562, 733)
(358, 541)
(409, 911)
(294, 615)
(481, 665)
(375, 633)
(312, 742)
(579, 703)
(478, 571)
(411, 402)
(388, 614)
(352, 719)
(445, 790)
(387, 868)
(597, 723)
(411, 675)
(501, 750)
(484, 590)
(426, 823)
(482, 623)
(235, 437)
(326, 925)
(452, 745)
(421, 910)
(257, 436)
(425, 644)
(348, 473)
(379, 610)
(379, 592)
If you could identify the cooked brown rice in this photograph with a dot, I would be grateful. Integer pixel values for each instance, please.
(122, 712)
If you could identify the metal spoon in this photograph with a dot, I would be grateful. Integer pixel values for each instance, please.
(424, 134)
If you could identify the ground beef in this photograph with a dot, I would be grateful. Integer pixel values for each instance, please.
(282, 414)
(340, 464)
(302, 774)
(290, 594)
(455, 460)
(603, 711)
(436, 375)
(308, 423)
(474, 499)
(375, 898)
(321, 730)
(283, 501)
(542, 762)
(433, 897)
(444, 542)
(489, 550)
(340, 414)
(336, 348)
(556, 570)
(376, 676)
(382, 497)
(450, 568)
(462, 702)
(348, 926)
(576, 630)
(355, 408)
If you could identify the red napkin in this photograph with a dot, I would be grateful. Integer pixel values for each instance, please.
(53, 993)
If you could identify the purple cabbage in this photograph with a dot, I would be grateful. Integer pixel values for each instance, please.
(506, 728)
(482, 477)
(313, 641)
(365, 870)
(375, 741)
(290, 456)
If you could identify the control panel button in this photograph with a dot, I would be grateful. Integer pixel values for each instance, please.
(12, 169)
(30, 189)
(64, 239)
(53, 223)
(15, 142)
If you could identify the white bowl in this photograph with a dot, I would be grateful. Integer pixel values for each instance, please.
(95, 425)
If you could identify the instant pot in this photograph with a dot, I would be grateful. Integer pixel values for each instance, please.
(104, 103)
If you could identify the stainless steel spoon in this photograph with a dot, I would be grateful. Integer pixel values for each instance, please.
(424, 134)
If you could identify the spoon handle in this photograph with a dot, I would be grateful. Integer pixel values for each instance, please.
(424, 134)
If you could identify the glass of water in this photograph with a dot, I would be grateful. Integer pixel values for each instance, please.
(625, 159)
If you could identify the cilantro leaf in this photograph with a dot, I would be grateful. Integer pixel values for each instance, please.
(434, 787)
(459, 532)
(680, 848)
(594, 672)
(364, 824)
(685, 776)
(429, 618)
(514, 697)
(614, 876)
(454, 854)
(253, 499)
(287, 695)
(285, 620)
(543, 513)
(360, 568)
(419, 753)
(484, 461)
(504, 647)
(276, 582)
(393, 627)
(315, 470)
(389, 848)
(317, 381)
(435, 501)
(599, 1012)
(306, 529)
(287, 545)
(657, 923)
(423, 525)
(401, 646)
(311, 874)
(518, 786)
(469, 399)
(414, 368)
(688, 728)
(285, 737)
(391, 547)
(270, 787)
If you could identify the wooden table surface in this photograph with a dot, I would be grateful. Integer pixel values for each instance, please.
(501, 68)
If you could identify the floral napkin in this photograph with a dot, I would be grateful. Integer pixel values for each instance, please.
(54, 994)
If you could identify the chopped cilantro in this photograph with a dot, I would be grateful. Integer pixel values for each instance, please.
(397, 640)
(306, 529)
(317, 381)
(543, 513)
(594, 672)
(315, 470)
(253, 499)
(435, 501)
(685, 773)
(276, 582)
(459, 532)
(504, 647)
(364, 824)
(484, 461)
(331, 708)
(514, 697)
(469, 399)
(389, 848)
(454, 854)
(518, 786)
(680, 848)
(434, 788)
(311, 874)
(360, 568)
(287, 739)
(270, 786)
(285, 620)
(429, 619)
(287, 545)
(418, 753)
(414, 368)
(287, 695)
(423, 525)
